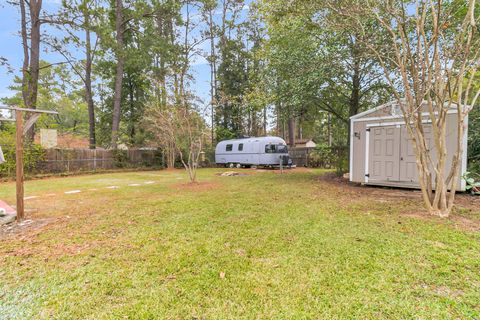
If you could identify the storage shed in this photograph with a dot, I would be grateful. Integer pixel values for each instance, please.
(382, 153)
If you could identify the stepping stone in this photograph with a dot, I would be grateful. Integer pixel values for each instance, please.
(31, 197)
(134, 185)
(112, 187)
(73, 191)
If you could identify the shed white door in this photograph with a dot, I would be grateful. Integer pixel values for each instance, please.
(391, 154)
(384, 154)
(408, 161)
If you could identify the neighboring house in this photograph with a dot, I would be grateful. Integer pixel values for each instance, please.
(300, 153)
(62, 141)
(381, 150)
(304, 143)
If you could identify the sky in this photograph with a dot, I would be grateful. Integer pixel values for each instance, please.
(11, 49)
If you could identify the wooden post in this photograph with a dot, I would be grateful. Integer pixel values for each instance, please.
(19, 164)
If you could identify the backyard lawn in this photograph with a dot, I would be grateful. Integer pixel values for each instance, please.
(302, 245)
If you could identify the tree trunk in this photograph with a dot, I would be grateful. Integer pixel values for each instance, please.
(26, 55)
(213, 71)
(131, 100)
(162, 33)
(355, 94)
(329, 129)
(117, 98)
(291, 131)
(88, 81)
(264, 121)
(31, 56)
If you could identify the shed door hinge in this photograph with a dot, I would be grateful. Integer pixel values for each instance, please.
(367, 175)
(368, 129)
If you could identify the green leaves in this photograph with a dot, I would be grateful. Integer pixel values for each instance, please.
(473, 185)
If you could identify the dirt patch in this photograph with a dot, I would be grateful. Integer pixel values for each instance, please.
(25, 228)
(468, 201)
(458, 221)
(466, 215)
(232, 174)
(197, 186)
(351, 192)
(285, 170)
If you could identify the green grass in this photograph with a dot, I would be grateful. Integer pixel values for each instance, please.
(290, 247)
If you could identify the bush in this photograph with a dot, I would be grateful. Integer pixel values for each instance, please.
(321, 157)
(474, 141)
(120, 158)
(324, 156)
(33, 155)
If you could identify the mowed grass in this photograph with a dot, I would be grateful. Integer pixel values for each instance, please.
(261, 246)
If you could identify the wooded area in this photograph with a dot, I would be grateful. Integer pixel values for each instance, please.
(126, 73)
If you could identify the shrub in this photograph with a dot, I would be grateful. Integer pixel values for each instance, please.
(324, 156)
(120, 158)
(33, 155)
(321, 157)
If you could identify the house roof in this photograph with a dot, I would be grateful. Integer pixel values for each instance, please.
(302, 141)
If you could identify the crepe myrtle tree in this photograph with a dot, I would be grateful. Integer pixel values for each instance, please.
(430, 53)
(191, 135)
(181, 132)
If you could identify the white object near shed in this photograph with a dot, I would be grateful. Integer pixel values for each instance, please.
(382, 153)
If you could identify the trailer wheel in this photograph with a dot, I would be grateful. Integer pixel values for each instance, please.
(238, 165)
(231, 165)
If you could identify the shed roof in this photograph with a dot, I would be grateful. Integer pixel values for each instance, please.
(389, 105)
(369, 111)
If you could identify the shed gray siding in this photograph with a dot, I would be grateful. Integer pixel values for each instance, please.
(383, 118)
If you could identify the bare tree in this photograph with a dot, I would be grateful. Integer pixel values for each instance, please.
(179, 131)
(430, 54)
(190, 138)
(160, 120)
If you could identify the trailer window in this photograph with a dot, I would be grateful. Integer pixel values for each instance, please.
(281, 148)
(270, 148)
(229, 147)
(276, 148)
(240, 147)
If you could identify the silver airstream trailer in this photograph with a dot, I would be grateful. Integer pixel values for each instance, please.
(255, 151)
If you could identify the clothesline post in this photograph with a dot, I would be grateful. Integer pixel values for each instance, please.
(21, 130)
(19, 165)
